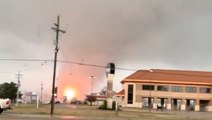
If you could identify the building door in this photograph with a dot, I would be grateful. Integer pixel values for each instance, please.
(147, 102)
(203, 105)
(162, 103)
(176, 103)
(190, 104)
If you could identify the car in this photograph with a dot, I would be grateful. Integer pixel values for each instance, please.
(57, 102)
(5, 104)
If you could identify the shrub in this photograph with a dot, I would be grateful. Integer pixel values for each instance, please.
(90, 99)
(104, 105)
(114, 105)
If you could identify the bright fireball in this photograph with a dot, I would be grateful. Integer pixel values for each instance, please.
(69, 93)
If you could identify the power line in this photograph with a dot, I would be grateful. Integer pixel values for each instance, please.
(26, 60)
(63, 61)
(24, 69)
(92, 65)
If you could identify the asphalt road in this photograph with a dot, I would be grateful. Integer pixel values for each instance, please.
(11, 116)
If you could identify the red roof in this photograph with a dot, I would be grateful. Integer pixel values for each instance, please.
(120, 94)
(98, 97)
(171, 76)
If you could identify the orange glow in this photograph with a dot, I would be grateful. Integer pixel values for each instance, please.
(70, 93)
(71, 78)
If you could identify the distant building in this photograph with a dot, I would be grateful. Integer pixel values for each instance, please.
(168, 89)
(99, 100)
(29, 97)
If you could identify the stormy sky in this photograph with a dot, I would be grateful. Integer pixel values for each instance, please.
(134, 34)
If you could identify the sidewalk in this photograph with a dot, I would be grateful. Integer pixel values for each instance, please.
(177, 113)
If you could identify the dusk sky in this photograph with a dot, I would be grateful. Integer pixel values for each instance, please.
(134, 34)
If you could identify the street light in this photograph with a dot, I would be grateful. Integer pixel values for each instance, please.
(150, 92)
(41, 92)
(92, 77)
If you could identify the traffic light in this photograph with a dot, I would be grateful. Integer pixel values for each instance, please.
(55, 92)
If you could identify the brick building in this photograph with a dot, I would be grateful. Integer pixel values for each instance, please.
(168, 89)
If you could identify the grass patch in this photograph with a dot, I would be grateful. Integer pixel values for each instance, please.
(60, 109)
(93, 111)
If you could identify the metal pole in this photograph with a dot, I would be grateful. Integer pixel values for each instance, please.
(18, 86)
(91, 85)
(37, 100)
(150, 92)
(150, 95)
(92, 77)
(41, 93)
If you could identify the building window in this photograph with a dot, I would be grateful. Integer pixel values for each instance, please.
(163, 88)
(130, 94)
(148, 87)
(177, 89)
(191, 89)
(204, 90)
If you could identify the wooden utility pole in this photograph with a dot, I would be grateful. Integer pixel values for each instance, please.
(57, 30)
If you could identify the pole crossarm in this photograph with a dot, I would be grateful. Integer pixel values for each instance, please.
(62, 31)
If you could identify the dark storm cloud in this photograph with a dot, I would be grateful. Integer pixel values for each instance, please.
(137, 30)
(137, 34)
(154, 31)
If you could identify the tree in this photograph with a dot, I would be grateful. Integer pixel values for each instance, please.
(91, 99)
(103, 92)
(8, 90)
(104, 105)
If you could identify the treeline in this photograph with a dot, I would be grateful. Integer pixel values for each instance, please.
(8, 90)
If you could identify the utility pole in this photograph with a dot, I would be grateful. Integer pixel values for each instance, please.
(18, 76)
(57, 30)
(41, 92)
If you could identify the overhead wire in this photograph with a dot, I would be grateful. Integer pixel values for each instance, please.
(25, 68)
(63, 61)
(84, 64)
